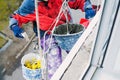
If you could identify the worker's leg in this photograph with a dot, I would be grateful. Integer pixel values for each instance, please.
(35, 30)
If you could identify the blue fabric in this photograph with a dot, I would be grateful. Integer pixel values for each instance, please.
(17, 31)
(89, 12)
(27, 7)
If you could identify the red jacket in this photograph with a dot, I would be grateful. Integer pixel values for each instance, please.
(47, 14)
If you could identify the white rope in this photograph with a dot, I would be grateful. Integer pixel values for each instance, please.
(55, 21)
(49, 30)
(66, 63)
(63, 10)
(38, 26)
(44, 58)
(38, 32)
(58, 17)
(44, 53)
(65, 13)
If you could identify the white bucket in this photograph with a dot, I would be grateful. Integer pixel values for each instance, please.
(30, 74)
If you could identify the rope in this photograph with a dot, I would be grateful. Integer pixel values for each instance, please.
(49, 30)
(59, 15)
(38, 26)
(44, 58)
(44, 54)
(39, 41)
(63, 10)
(65, 13)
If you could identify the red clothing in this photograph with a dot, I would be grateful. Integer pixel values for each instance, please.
(47, 14)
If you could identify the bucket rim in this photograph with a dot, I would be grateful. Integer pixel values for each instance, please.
(27, 55)
(22, 60)
(70, 34)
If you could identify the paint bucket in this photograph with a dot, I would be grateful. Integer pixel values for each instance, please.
(29, 73)
(67, 39)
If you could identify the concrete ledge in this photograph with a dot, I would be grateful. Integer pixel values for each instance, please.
(6, 45)
(9, 41)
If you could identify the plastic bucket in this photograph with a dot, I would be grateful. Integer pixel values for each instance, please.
(30, 74)
(67, 39)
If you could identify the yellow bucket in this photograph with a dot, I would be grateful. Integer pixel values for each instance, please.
(31, 66)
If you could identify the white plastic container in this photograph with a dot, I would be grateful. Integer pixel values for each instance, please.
(30, 74)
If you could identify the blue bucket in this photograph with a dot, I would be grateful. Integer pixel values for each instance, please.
(67, 38)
